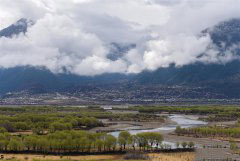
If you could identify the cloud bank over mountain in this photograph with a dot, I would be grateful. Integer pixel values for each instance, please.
(74, 36)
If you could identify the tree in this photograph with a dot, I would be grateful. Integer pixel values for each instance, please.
(123, 138)
(2, 130)
(83, 143)
(38, 130)
(88, 122)
(159, 139)
(191, 144)
(177, 145)
(233, 145)
(22, 126)
(178, 130)
(184, 144)
(30, 142)
(42, 144)
(153, 138)
(110, 142)
(133, 141)
(58, 126)
(99, 144)
(15, 145)
(142, 140)
(74, 123)
(7, 125)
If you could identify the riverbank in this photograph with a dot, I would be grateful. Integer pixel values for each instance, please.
(170, 124)
(167, 129)
(132, 125)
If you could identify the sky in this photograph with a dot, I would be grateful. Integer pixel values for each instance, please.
(75, 36)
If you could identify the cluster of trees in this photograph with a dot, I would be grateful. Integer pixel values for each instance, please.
(209, 132)
(79, 141)
(185, 144)
(39, 123)
(43, 119)
(57, 111)
(137, 117)
(214, 113)
(121, 116)
(224, 110)
(219, 118)
(47, 109)
(141, 140)
(233, 145)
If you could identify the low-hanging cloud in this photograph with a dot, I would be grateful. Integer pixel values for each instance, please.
(74, 36)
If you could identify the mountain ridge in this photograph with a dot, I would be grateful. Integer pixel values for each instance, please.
(218, 78)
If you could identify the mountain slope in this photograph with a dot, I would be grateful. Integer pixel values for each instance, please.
(225, 36)
(223, 79)
(192, 74)
(38, 80)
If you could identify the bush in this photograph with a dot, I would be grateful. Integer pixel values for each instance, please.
(2, 130)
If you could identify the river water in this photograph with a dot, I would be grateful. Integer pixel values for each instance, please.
(185, 121)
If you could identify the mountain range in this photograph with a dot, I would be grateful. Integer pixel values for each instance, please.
(219, 79)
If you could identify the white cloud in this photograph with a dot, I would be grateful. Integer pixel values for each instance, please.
(74, 35)
(63, 45)
(179, 49)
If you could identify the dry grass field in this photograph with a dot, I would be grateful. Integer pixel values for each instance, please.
(30, 157)
(154, 157)
(173, 157)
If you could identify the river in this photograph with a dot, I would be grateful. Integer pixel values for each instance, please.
(185, 121)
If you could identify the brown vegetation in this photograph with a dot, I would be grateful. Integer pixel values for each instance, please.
(188, 156)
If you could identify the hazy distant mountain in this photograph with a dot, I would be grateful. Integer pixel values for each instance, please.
(217, 78)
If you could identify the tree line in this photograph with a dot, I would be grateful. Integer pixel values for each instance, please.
(39, 123)
(209, 132)
(79, 141)
(80, 112)
(220, 117)
(223, 110)
(45, 122)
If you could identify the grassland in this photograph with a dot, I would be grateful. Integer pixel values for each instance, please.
(188, 156)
